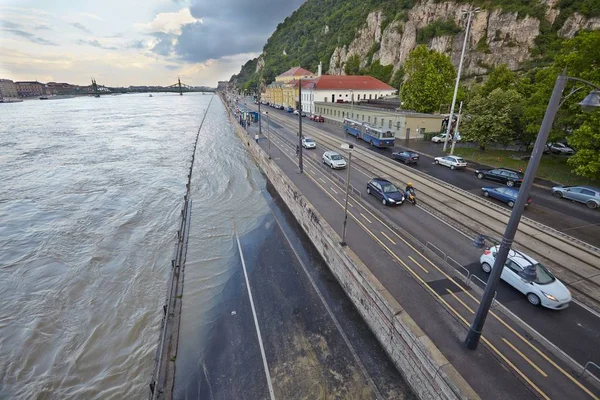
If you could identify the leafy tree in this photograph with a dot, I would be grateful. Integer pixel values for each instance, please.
(500, 77)
(430, 80)
(378, 71)
(352, 65)
(397, 78)
(586, 140)
(493, 118)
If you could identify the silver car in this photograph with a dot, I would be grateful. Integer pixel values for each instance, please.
(590, 196)
(334, 160)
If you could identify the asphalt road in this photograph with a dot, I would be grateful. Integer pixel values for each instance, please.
(574, 330)
(572, 218)
(312, 342)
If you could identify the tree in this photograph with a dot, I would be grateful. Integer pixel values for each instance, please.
(352, 65)
(430, 80)
(381, 72)
(500, 77)
(586, 140)
(493, 118)
(397, 78)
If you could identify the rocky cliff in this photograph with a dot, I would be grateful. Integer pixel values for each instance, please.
(496, 37)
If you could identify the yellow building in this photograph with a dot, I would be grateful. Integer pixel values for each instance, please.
(284, 90)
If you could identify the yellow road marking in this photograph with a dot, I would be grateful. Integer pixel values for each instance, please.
(538, 369)
(363, 215)
(460, 301)
(387, 237)
(420, 266)
(452, 309)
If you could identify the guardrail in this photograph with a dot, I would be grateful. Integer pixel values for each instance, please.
(585, 368)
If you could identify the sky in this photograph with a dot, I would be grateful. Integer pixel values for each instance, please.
(134, 42)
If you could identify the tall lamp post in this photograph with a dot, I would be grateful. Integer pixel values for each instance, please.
(592, 101)
(300, 169)
(352, 102)
(456, 128)
(460, 64)
(348, 147)
(268, 133)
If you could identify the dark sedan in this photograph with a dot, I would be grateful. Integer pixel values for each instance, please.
(407, 157)
(385, 191)
(506, 195)
(503, 175)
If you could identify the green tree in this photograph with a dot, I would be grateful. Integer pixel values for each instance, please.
(586, 139)
(430, 80)
(500, 77)
(352, 65)
(493, 118)
(381, 72)
(397, 78)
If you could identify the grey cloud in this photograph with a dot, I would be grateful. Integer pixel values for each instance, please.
(232, 27)
(172, 67)
(80, 26)
(136, 44)
(95, 43)
(29, 36)
(9, 25)
(42, 27)
(164, 46)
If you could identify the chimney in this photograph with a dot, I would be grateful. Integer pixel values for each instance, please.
(320, 68)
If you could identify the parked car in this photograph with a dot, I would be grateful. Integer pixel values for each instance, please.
(544, 290)
(290, 109)
(503, 175)
(385, 191)
(316, 118)
(296, 112)
(407, 157)
(453, 162)
(442, 138)
(590, 196)
(504, 194)
(308, 143)
(559, 148)
(334, 160)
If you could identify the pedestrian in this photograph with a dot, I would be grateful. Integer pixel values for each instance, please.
(256, 137)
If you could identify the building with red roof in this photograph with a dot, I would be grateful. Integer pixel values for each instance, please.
(294, 73)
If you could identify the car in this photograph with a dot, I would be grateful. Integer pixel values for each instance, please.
(559, 148)
(453, 162)
(504, 194)
(544, 290)
(289, 109)
(316, 118)
(407, 157)
(296, 112)
(334, 160)
(588, 195)
(441, 138)
(385, 191)
(503, 175)
(308, 143)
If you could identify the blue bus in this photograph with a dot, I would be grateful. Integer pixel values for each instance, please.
(374, 136)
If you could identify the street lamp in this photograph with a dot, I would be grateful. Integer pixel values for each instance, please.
(349, 147)
(462, 56)
(268, 133)
(456, 131)
(592, 101)
(352, 102)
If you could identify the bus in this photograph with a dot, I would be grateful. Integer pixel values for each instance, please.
(377, 137)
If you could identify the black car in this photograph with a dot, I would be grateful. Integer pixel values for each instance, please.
(407, 157)
(385, 191)
(504, 175)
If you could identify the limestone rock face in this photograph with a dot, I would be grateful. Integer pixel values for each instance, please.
(577, 22)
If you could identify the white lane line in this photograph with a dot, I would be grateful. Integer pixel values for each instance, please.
(322, 180)
(260, 341)
(378, 394)
(333, 190)
(387, 237)
(363, 215)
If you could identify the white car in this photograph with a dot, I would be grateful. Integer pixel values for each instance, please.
(451, 161)
(334, 160)
(442, 138)
(308, 143)
(559, 148)
(544, 290)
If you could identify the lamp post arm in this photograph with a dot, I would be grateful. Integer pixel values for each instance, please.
(570, 78)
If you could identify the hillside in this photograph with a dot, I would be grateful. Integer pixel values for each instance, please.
(376, 36)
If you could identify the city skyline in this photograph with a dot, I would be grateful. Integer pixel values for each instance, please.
(131, 44)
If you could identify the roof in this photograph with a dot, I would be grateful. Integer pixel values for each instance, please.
(296, 71)
(345, 82)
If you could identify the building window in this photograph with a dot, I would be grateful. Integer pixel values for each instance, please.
(369, 97)
(398, 125)
(375, 120)
(363, 117)
(325, 99)
(343, 114)
(352, 115)
(346, 94)
(333, 98)
(369, 119)
(390, 127)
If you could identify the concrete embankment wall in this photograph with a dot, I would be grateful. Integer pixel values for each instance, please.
(424, 367)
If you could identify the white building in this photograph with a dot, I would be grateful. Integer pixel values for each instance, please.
(342, 89)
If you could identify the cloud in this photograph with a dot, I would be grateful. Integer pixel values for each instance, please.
(95, 43)
(90, 15)
(29, 36)
(163, 43)
(136, 44)
(234, 27)
(9, 25)
(41, 27)
(168, 22)
(172, 67)
(80, 27)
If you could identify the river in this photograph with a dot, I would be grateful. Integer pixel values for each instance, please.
(90, 195)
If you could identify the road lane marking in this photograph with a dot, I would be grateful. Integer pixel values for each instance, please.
(460, 301)
(419, 265)
(450, 307)
(363, 215)
(330, 312)
(333, 190)
(260, 341)
(322, 180)
(538, 369)
(387, 237)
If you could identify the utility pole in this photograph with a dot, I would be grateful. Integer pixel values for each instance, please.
(260, 115)
(456, 128)
(349, 147)
(300, 169)
(179, 83)
(462, 56)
